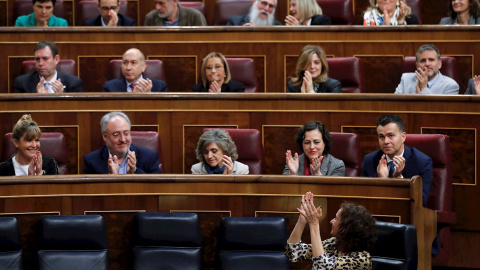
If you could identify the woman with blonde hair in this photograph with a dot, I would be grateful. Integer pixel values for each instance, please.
(28, 159)
(306, 12)
(389, 12)
(216, 76)
(311, 73)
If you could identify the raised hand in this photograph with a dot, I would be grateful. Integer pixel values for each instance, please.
(292, 164)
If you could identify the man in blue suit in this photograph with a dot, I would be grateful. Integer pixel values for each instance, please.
(396, 160)
(109, 16)
(133, 66)
(119, 156)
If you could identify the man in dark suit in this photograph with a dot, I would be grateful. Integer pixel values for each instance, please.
(46, 79)
(261, 14)
(109, 15)
(396, 160)
(119, 156)
(473, 85)
(133, 66)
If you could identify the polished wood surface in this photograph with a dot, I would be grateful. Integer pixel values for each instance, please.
(381, 49)
(118, 198)
(180, 117)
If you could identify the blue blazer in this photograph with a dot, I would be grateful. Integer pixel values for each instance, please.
(27, 83)
(120, 85)
(122, 21)
(416, 163)
(241, 20)
(96, 162)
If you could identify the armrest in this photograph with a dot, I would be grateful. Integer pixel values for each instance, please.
(446, 217)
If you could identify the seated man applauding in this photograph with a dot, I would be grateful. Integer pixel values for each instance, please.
(133, 66)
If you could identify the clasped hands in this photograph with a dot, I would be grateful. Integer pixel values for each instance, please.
(400, 17)
(143, 85)
(228, 163)
(422, 79)
(293, 164)
(308, 212)
(35, 167)
(114, 166)
(382, 168)
(56, 86)
(307, 84)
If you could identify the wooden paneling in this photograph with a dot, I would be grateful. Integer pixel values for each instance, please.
(117, 199)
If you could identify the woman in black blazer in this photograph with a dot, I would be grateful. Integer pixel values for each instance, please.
(306, 12)
(311, 73)
(28, 159)
(216, 76)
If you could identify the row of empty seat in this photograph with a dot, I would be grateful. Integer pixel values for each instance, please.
(340, 11)
(173, 241)
(348, 70)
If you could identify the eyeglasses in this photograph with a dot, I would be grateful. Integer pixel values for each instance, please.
(114, 8)
(210, 68)
(266, 4)
(117, 135)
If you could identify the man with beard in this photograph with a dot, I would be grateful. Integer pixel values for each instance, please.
(427, 79)
(119, 156)
(261, 14)
(46, 78)
(170, 13)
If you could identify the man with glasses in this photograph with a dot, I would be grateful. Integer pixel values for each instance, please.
(109, 16)
(119, 155)
(262, 13)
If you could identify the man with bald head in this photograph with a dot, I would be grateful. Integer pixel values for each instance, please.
(132, 79)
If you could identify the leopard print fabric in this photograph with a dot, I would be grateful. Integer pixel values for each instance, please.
(329, 260)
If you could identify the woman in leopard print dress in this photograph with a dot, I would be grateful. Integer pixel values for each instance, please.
(353, 231)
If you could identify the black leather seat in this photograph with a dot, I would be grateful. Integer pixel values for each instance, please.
(252, 243)
(396, 247)
(166, 241)
(73, 243)
(10, 244)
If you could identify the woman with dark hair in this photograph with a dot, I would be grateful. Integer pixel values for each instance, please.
(353, 231)
(28, 159)
(463, 12)
(217, 154)
(315, 140)
(311, 73)
(216, 77)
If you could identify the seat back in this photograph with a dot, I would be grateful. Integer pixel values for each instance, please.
(226, 8)
(346, 147)
(10, 244)
(67, 66)
(200, 6)
(437, 147)
(249, 148)
(25, 7)
(88, 9)
(416, 6)
(72, 242)
(166, 241)
(349, 71)
(52, 144)
(339, 11)
(396, 247)
(243, 70)
(154, 69)
(150, 140)
(252, 243)
(449, 66)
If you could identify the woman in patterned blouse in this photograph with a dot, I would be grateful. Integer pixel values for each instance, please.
(353, 231)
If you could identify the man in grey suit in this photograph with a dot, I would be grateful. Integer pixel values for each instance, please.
(427, 79)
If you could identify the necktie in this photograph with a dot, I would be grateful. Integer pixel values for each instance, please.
(391, 169)
(46, 86)
(132, 86)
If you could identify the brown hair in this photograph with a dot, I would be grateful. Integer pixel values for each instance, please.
(305, 59)
(26, 126)
(356, 231)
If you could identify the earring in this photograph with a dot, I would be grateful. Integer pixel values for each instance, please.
(398, 4)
